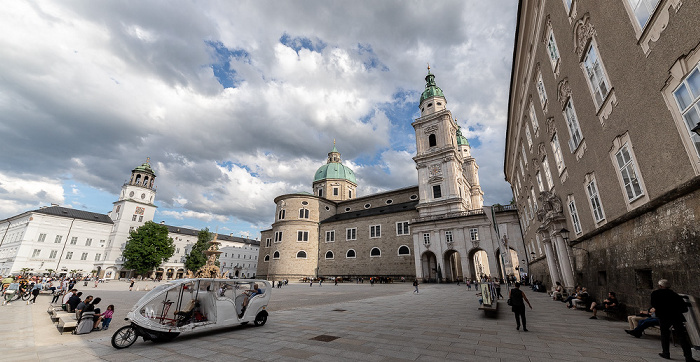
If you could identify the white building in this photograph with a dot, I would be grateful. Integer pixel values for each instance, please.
(67, 241)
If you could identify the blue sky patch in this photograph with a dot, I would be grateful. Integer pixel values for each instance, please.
(221, 65)
(298, 43)
(370, 59)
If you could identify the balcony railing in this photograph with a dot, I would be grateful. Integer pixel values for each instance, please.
(448, 216)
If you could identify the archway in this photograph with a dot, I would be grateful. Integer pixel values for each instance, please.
(513, 267)
(180, 273)
(479, 266)
(453, 266)
(159, 273)
(170, 273)
(429, 265)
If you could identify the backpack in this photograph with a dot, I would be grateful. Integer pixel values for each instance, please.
(85, 324)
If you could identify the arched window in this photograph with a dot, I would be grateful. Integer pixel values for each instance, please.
(404, 250)
(276, 255)
(375, 252)
(267, 257)
(329, 254)
(432, 141)
(138, 179)
(301, 254)
(145, 181)
(350, 254)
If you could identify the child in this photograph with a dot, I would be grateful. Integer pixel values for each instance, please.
(107, 317)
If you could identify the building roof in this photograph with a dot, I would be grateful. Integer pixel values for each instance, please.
(461, 140)
(193, 232)
(146, 168)
(73, 213)
(431, 89)
(383, 210)
(335, 170)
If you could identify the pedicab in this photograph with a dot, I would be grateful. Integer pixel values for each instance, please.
(187, 305)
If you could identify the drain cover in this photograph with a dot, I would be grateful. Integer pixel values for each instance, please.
(324, 338)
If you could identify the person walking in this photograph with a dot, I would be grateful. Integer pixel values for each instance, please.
(669, 308)
(517, 299)
(35, 292)
(415, 284)
(131, 286)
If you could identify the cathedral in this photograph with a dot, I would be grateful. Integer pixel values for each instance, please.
(438, 230)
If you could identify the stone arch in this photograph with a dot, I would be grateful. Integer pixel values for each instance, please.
(478, 263)
(429, 266)
(515, 264)
(453, 266)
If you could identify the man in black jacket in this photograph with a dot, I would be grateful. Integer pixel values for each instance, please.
(669, 309)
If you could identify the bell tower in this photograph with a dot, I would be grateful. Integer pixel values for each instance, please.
(442, 186)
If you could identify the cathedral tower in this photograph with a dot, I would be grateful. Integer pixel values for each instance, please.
(442, 186)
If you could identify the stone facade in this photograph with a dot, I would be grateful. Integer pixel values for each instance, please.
(597, 144)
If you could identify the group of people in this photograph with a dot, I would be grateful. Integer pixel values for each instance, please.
(666, 311)
(73, 302)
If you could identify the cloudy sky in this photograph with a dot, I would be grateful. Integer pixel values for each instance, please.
(238, 102)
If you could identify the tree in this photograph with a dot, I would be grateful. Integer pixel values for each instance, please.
(147, 247)
(196, 258)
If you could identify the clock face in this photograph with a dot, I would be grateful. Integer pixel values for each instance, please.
(143, 196)
(131, 194)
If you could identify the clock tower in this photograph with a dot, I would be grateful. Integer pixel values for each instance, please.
(133, 208)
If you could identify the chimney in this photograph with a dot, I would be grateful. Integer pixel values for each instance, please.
(52, 204)
(162, 222)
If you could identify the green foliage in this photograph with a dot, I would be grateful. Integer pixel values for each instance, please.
(196, 258)
(147, 248)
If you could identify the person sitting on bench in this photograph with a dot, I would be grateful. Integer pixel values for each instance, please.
(609, 304)
(250, 293)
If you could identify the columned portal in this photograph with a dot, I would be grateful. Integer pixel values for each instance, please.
(430, 266)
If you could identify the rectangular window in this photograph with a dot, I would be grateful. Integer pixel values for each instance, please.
(330, 236)
(629, 174)
(558, 156)
(335, 191)
(59, 239)
(534, 198)
(529, 206)
(596, 76)
(69, 255)
(524, 154)
(402, 228)
(351, 234)
(268, 242)
(140, 218)
(302, 236)
(533, 119)
(36, 253)
(303, 213)
(133, 218)
(278, 236)
(84, 256)
(448, 237)
(437, 193)
(320, 192)
(574, 217)
(688, 98)
(572, 122)
(42, 237)
(540, 185)
(375, 231)
(643, 10)
(474, 234)
(282, 214)
(547, 173)
(596, 206)
(88, 242)
(426, 239)
(349, 194)
(53, 253)
(552, 49)
(529, 137)
(541, 91)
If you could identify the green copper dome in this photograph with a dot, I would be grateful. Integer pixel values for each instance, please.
(461, 140)
(145, 167)
(431, 90)
(334, 169)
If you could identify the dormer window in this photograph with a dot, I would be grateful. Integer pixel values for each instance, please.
(432, 140)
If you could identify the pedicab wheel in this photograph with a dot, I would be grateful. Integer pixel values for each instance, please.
(124, 337)
(260, 319)
(26, 296)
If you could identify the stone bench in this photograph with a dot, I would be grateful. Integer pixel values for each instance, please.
(67, 321)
